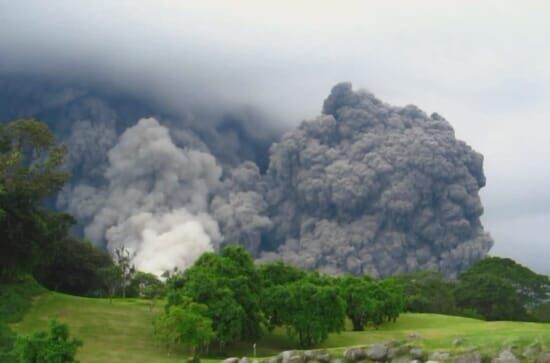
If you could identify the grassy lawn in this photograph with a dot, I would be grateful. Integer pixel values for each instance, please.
(121, 331)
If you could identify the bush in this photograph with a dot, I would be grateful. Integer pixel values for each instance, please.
(7, 340)
(53, 346)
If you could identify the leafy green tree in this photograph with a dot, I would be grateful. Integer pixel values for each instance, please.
(111, 278)
(185, 324)
(393, 300)
(310, 311)
(73, 266)
(428, 292)
(123, 259)
(147, 286)
(491, 296)
(360, 304)
(501, 289)
(273, 303)
(30, 170)
(52, 346)
(541, 312)
(229, 284)
(530, 287)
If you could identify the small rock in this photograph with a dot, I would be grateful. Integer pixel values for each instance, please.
(544, 357)
(356, 354)
(506, 356)
(433, 361)
(323, 356)
(417, 353)
(402, 359)
(336, 360)
(309, 355)
(377, 352)
(292, 356)
(231, 360)
(469, 357)
(243, 360)
(397, 351)
(532, 351)
(275, 359)
(439, 356)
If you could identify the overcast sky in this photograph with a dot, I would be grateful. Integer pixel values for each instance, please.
(484, 65)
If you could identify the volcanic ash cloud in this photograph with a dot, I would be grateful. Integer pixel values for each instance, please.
(155, 201)
(371, 188)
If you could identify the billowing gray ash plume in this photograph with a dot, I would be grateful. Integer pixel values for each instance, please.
(143, 183)
(365, 187)
(371, 188)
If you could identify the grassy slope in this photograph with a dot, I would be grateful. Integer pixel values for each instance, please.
(122, 331)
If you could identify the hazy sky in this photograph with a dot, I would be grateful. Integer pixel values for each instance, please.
(484, 65)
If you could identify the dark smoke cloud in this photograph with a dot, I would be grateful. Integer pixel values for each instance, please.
(371, 188)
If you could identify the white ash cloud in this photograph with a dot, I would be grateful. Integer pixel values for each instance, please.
(155, 201)
(371, 188)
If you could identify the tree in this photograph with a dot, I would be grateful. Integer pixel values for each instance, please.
(393, 300)
(111, 278)
(124, 260)
(310, 312)
(147, 286)
(229, 284)
(501, 289)
(531, 287)
(30, 170)
(73, 266)
(52, 346)
(185, 324)
(360, 304)
(428, 292)
(491, 296)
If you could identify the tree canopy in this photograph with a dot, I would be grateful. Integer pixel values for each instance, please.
(30, 170)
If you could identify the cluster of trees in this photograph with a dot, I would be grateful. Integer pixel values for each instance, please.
(226, 298)
(493, 289)
(37, 240)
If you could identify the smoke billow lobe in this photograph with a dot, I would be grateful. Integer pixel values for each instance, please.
(371, 188)
(155, 202)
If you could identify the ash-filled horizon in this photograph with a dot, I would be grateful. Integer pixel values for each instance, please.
(365, 187)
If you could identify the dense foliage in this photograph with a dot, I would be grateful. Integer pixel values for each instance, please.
(30, 170)
(73, 266)
(243, 299)
(184, 324)
(52, 346)
(494, 289)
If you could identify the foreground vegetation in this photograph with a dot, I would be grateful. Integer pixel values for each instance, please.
(121, 331)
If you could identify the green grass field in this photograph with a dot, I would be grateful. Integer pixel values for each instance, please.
(121, 331)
